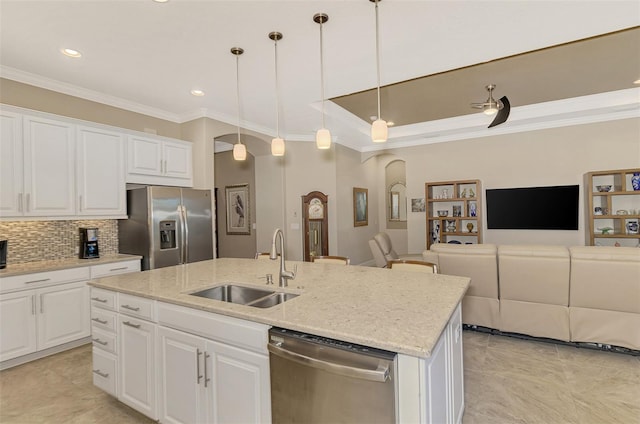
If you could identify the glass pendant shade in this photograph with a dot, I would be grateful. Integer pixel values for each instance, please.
(379, 131)
(323, 139)
(239, 151)
(491, 110)
(277, 147)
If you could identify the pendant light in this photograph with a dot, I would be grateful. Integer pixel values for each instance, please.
(277, 144)
(239, 149)
(323, 136)
(379, 127)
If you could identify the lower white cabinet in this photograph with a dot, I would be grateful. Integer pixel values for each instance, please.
(136, 376)
(206, 381)
(33, 320)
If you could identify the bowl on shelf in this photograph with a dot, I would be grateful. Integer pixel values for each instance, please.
(603, 188)
(443, 213)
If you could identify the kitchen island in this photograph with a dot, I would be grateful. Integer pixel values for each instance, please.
(413, 314)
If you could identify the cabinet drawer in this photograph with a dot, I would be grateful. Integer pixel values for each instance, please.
(237, 332)
(103, 299)
(43, 279)
(104, 320)
(136, 306)
(103, 340)
(115, 268)
(104, 371)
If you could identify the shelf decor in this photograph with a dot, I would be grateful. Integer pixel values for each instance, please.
(452, 219)
(613, 207)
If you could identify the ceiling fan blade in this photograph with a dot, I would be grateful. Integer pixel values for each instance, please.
(503, 113)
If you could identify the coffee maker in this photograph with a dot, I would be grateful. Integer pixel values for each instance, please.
(89, 243)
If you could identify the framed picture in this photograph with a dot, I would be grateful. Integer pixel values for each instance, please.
(360, 207)
(238, 219)
(418, 205)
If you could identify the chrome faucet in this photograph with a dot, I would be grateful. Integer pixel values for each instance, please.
(284, 274)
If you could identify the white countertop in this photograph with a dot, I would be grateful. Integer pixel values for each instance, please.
(45, 266)
(400, 311)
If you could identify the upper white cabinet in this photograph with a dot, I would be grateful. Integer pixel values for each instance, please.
(159, 161)
(11, 170)
(38, 167)
(101, 172)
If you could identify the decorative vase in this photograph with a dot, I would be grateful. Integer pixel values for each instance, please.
(635, 181)
(470, 227)
(632, 227)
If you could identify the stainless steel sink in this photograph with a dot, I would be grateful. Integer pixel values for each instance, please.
(273, 300)
(233, 293)
(243, 295)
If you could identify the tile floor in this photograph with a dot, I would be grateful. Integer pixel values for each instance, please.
(506, 381)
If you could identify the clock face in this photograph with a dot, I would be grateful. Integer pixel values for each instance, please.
(316, 209)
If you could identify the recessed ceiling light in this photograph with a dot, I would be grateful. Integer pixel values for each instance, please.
(198, 93)
(161, 1)
(71, 53)
(390, 123)
(637, 81)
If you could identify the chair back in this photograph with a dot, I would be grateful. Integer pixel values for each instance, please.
(384, 241)
(416, 266)
(341, 260)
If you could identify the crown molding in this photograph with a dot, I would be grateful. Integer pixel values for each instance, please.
(83, 93)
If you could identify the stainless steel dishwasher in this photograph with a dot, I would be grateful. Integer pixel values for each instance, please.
(320, 380)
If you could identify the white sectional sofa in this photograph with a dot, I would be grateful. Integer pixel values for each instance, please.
(580, 294)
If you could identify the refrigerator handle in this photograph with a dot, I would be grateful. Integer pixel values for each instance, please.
(185, 234)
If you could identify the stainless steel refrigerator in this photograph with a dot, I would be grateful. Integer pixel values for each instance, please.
(167, 226)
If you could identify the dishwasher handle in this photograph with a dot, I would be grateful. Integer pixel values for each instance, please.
(380, 375)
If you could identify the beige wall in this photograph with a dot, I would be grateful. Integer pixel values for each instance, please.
(270, 194)
(559, 156)
(30, 97)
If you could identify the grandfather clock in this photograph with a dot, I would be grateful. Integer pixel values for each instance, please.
(316, 227)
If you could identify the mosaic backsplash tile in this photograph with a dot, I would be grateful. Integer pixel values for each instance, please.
(31, 241)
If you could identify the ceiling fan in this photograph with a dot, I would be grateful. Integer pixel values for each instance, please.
(500, 108)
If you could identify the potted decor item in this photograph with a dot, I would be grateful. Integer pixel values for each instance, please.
(635, 181)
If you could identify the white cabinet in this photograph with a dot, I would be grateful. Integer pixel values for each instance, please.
(39, 156)
(159, 161)
(241, 385)
(17, 324)
(136, 358)
(34, 320)
(11, 169)
(207, 381)
(63, 314)
(53, 168)
(101, 172)
(185, 377)
(431, 390)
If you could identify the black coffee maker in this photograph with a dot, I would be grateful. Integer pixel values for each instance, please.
(89, 243)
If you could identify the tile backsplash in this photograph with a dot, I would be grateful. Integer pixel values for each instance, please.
(31, 241)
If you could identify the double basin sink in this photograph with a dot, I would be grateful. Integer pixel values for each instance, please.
(243, 295)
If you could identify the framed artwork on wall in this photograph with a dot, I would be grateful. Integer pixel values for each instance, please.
(238, 220)
(360, 207)
(418, 205)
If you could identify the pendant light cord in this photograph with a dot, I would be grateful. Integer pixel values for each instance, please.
(238, 93)
(275, 43)
(378, 58)
(322, 73)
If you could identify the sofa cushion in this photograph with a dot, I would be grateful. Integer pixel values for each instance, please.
(606, 278)
(538, 274)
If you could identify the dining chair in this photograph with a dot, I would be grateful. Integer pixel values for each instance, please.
(410, 265)
(342, 260)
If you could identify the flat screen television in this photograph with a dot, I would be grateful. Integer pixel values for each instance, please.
(533, 208)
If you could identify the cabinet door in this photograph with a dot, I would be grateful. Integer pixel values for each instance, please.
(101, 172)
(455, 368)
(241, 385)
(49, 167)
(11, 189)
(63, 314)
(17, 324)
(437, 384)
(177, 159)
(145, 156)
(136, 375)
(182, 393)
